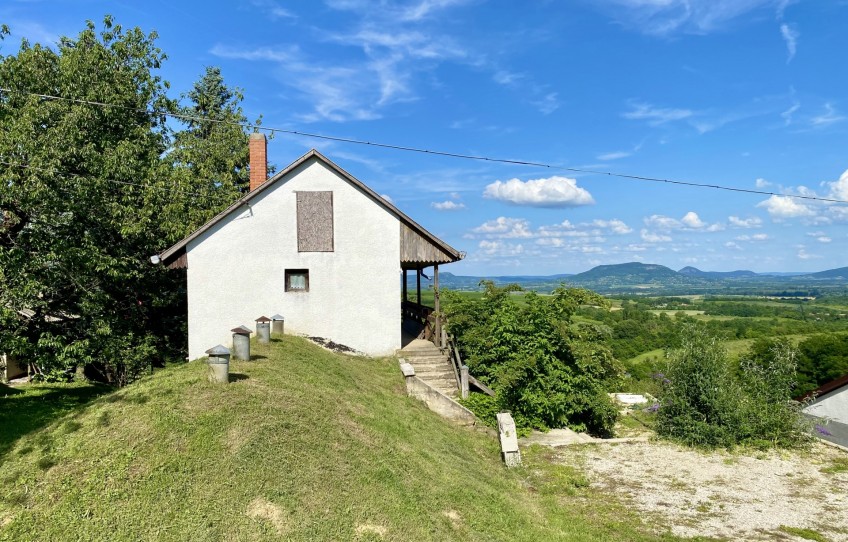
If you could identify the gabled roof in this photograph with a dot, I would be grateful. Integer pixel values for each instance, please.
(177, 251)
(826, 388)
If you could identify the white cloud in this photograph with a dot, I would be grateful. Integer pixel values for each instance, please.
(547, 104)
(824, 239)
(499, 248)
(448, 205)
(650, 237)
(387, 198)
(804, 255)
(790, 36)
(755, 237)
(830, 116)
(273, 9)
(762, 183)
(839, 188)
(780, 207)
(505, 227)
(551, 192)
(787, 114)
(669, 17)
(656, 115)
(692, 220)
(733, 246)
(663, 222)
(753, 222)
(617, 155)
(615, 226)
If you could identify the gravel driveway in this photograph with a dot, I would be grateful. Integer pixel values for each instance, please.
(752, 496)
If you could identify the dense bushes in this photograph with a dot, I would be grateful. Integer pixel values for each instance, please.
(546, 370)
(705, 402)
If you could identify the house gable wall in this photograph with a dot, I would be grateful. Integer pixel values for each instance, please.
(236, 269)
(832, 405)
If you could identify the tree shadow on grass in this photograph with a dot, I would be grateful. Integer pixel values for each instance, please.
(27, 409)
(235, 377)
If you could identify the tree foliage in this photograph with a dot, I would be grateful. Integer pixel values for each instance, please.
(706, 402)
(545, 369)
(86, 197)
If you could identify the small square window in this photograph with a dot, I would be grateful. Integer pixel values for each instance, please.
(297, 280)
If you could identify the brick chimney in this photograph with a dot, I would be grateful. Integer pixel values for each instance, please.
(258, 160)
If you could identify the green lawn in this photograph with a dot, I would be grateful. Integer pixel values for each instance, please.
(303, 444)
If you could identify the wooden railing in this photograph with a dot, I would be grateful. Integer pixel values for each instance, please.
(446, 342)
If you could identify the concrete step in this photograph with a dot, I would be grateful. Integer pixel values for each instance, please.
(435, 357)
(430, 363)
(428, 375)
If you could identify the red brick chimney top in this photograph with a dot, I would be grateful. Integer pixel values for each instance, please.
(258, 160)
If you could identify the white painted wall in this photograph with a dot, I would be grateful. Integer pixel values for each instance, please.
(236, 270)
(833, 405)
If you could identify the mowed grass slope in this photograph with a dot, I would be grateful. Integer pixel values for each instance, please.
(304, 444)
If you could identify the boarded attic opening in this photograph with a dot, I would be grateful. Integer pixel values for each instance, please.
(314, 221)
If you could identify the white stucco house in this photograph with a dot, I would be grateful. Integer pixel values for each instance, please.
(311, 243)
(829, 404)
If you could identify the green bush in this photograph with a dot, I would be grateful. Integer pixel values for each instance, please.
(546, 370)
(705, 402)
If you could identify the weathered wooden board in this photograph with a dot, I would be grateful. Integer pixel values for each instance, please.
(415, 248)
(315, 221)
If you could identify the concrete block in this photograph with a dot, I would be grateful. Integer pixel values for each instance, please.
(508, 437)
(407, 369)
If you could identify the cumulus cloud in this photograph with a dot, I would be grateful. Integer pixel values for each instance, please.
(839, 188)
(615, 226)
(505, 227)
(692, 220)
(651, 237)
(500, 248)
(551, 192)
(755, 237)
(781, 207)
(762, 183)
(753, 222)
(663, 222)
(448, 205)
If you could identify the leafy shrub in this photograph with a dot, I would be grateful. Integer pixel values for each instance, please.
(546, 370)
(704, 402)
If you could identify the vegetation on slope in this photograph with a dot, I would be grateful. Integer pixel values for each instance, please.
(303, 444)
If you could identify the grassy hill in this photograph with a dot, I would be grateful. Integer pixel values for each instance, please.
(304, 444)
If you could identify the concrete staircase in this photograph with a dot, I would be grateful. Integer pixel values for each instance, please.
(431, 366)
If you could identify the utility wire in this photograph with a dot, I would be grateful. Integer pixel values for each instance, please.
(257, 127)
(114, 181)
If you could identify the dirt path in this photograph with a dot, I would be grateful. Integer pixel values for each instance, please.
(725, 495)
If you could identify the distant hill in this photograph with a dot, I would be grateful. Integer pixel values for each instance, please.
(654, 279)
(636, 276)
(840, 273)
(633, 272)
(695, 272)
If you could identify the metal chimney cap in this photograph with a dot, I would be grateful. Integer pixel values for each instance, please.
(278, 317)
(263, 319)
(219, 350)
(242, 330)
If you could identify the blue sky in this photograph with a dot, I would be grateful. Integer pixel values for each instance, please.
(743, 93)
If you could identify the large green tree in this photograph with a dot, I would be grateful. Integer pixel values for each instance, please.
(210, 154)
(86, 197)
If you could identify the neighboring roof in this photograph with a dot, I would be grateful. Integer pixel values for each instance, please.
(826, 388)
(176, 251)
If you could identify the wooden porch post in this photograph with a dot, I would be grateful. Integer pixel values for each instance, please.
(418, 283)
(404, 286)
(436, 304)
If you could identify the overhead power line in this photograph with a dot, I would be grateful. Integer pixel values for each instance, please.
(354, 141)
(113, 181)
